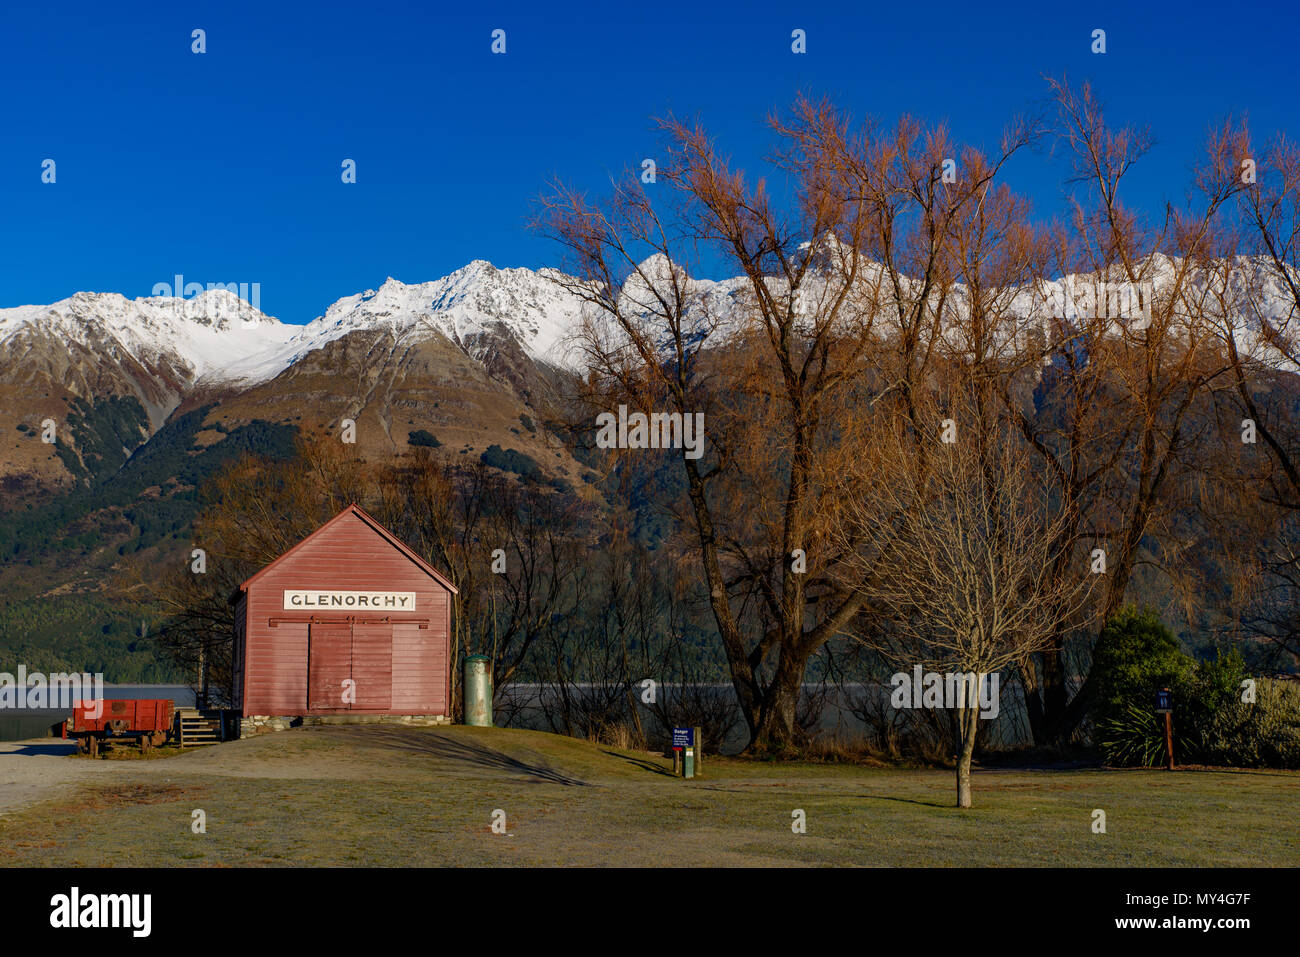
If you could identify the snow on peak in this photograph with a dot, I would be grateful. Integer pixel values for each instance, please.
(467, 306)
(475, 300)
(218, 336)
(199, 335)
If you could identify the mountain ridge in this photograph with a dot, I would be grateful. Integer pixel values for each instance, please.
(482, 340)
(514, 324)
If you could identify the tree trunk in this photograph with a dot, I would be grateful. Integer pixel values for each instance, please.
(967, 721)
(1055, 694)
(774, 732)
(1033, 703)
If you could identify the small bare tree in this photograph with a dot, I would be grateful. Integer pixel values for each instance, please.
(960, 571)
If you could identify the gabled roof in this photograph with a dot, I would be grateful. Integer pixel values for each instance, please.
(359, 512)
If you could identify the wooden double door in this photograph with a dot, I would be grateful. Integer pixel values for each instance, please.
(350, 665)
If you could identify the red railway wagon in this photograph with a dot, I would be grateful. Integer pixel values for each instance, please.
(146, 721)
(350, 621)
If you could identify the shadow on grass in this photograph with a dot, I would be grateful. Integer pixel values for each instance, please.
(899, 800)
(641, 763)
(458, 751)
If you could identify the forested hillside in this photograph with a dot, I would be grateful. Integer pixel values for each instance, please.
(65, 552)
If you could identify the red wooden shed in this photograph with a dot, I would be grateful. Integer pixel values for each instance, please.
(348, 622)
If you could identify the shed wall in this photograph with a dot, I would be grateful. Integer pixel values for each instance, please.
(398, 659)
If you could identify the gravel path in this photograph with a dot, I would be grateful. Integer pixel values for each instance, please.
(45, 768)
(31, 771)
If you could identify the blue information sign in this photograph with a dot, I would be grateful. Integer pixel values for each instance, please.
(1163, 702)
(683, 737)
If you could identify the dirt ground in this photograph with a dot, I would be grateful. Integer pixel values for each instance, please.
(44, 768)
(394, 796)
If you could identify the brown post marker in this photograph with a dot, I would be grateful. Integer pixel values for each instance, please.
(1165, 706)
(699, 752)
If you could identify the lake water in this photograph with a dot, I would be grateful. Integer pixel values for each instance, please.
(845, 712)
(838, 711)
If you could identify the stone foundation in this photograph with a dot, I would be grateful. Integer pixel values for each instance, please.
(255, 724)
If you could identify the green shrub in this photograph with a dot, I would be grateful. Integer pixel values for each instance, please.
(1136, 655)
(424, 438)
(1204, 695)
(1265, 733)
(1134, 736)
(512, 460)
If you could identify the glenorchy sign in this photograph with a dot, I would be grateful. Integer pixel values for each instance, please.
(315, 599)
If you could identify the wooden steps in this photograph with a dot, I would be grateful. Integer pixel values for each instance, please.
(199, 727)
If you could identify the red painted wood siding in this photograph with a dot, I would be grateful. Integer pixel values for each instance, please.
(399, 667)
(241, 607)
(372, 666)
(416, 653)
(275, 670)
(329, 666)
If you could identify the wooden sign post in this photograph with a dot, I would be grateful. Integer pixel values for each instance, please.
(684, 746)
(1165, 706)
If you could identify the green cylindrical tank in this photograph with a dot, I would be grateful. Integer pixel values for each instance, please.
(478, 691)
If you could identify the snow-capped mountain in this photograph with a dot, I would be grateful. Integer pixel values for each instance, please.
(463, 357)
(171, 345)
(206, 332)
(470, 307)
(101, 344)
(218, 338)
(1238, 299)
(195, 336)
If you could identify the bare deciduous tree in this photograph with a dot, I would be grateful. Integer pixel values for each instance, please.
(961, 571)
(845, 283)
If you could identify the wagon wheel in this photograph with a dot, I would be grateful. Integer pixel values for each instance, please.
(159, 738)
(146, 741)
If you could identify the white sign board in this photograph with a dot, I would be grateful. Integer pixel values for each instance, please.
(318, 600)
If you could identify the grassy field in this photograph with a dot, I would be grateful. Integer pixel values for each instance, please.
(400, 796)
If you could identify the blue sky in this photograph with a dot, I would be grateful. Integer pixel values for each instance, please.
(225, 166)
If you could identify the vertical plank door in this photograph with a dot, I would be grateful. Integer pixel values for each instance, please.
(329, 665)
(372, 665)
